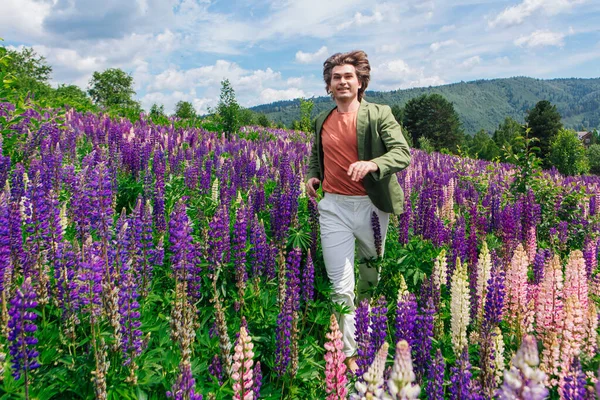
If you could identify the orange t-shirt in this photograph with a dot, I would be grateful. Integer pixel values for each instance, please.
(340, 149)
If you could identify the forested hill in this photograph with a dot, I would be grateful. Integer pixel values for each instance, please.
(482, 104)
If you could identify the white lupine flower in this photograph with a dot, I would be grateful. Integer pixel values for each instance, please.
(402, 377)
(484, 272)
(440, 270)
(524, 380)
(459, 307)
(371, 385)
(498, 344)
(215, 191)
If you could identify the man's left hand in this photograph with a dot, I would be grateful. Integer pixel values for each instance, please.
(359, 169)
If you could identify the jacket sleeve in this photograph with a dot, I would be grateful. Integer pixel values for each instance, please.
(313, 162)
(397, 156)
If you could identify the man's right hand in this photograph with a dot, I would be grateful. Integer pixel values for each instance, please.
(311, 186)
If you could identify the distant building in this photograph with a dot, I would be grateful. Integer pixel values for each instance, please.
(585, 137)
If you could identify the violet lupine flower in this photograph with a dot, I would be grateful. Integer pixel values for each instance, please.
(541, 257)
(159, 167)
(259, 251)
(590, 253)
(215, 368)
(308, 280)
(379, 323)
(21, 328)
(363, 338)
(424, 339)
(461, 385)
(573, 386)
(238, 253)
(100, 198)
(494, 299)
(6, 267)
(335, 369)
(376, 226)
(90, 276)
(218, 241)
(458, 246)
(313, 222)
(67, 287)
(435, 378)
(183, 251)
(131, 342)
(293, 277)
(257, 380)
(404, 223)
(184, 388)
(283, 334)
(406, 317)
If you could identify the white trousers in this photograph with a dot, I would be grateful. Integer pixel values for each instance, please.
(345, 223)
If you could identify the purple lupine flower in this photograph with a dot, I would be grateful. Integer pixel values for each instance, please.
(238, 253)
(435, 378)
(131, 342)
(313, 222)
(575, 382)
(363, 338)
(271, 261)
(458, 246)
(259, 252)
(378, 324)
(6, 267)
(38, 234)
(376, 226)
(539, 262)
(215, 369)
(308, 280)
(283, 334)
(494, 299)
(184, 388)
(461, 385)
(293, 277)
(158, 168)
(218, 241)
(257, 380)
(424, 338)
(67, 287)
(183, 251)
(100, 198)
(21, 328)
(404, 222)
(90, 277)
(406, 318)
(590, 253)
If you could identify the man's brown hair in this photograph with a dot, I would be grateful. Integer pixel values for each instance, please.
(356, 58)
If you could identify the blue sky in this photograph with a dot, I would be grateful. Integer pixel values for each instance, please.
(274, 49)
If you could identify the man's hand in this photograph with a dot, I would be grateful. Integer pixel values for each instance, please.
(359, 169)
(311, 186)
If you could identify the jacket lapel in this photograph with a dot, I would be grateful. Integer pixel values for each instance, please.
(362, 124)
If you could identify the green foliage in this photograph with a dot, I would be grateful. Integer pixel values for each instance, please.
(524, 157)
(507, 133)
(71, 96)
(425, 145)
(544, 122)
(306, 107)
(593, 155)
(113, 89)
(483, 147)
(228, 109)
(433, 117)
(184, 110)
(263, 120)
(567, 153)
(246, 117)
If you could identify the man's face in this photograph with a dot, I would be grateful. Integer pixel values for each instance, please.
(344, 83)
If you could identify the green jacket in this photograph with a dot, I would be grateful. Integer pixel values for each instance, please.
(380, 140)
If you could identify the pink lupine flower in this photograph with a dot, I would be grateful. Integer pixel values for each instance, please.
(242, 374)
(591, 327)
(524, 380)
(572, 333)
(335, 369)
(576, 283)
(516, 290)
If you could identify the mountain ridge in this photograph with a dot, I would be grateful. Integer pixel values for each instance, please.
(482, 103)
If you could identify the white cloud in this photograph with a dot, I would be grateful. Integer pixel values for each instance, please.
(470, 62)
(296, 82)
(541, 38)
(438, 45)
(516, 15)
(307, 58)
(396, 74)
(359, 20)
(23, 19)
(447, 28)
(270, 95)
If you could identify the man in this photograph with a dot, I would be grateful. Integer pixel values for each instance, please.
(358, 147)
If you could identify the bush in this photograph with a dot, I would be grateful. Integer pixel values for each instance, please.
(567, 153)
(593, 155)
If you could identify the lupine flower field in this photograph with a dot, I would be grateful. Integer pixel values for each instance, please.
(149, 262)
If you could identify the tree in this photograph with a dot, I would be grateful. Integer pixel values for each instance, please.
(544, 121)
(593, 155)
(507, 134)
(398, 113)
(567, 153)
(27, 72)
(306, 107)
(184, 110)
(433, 117)
(228, 109)
(112, 88)
(483, 147)
(263, 120)
(72, 96)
